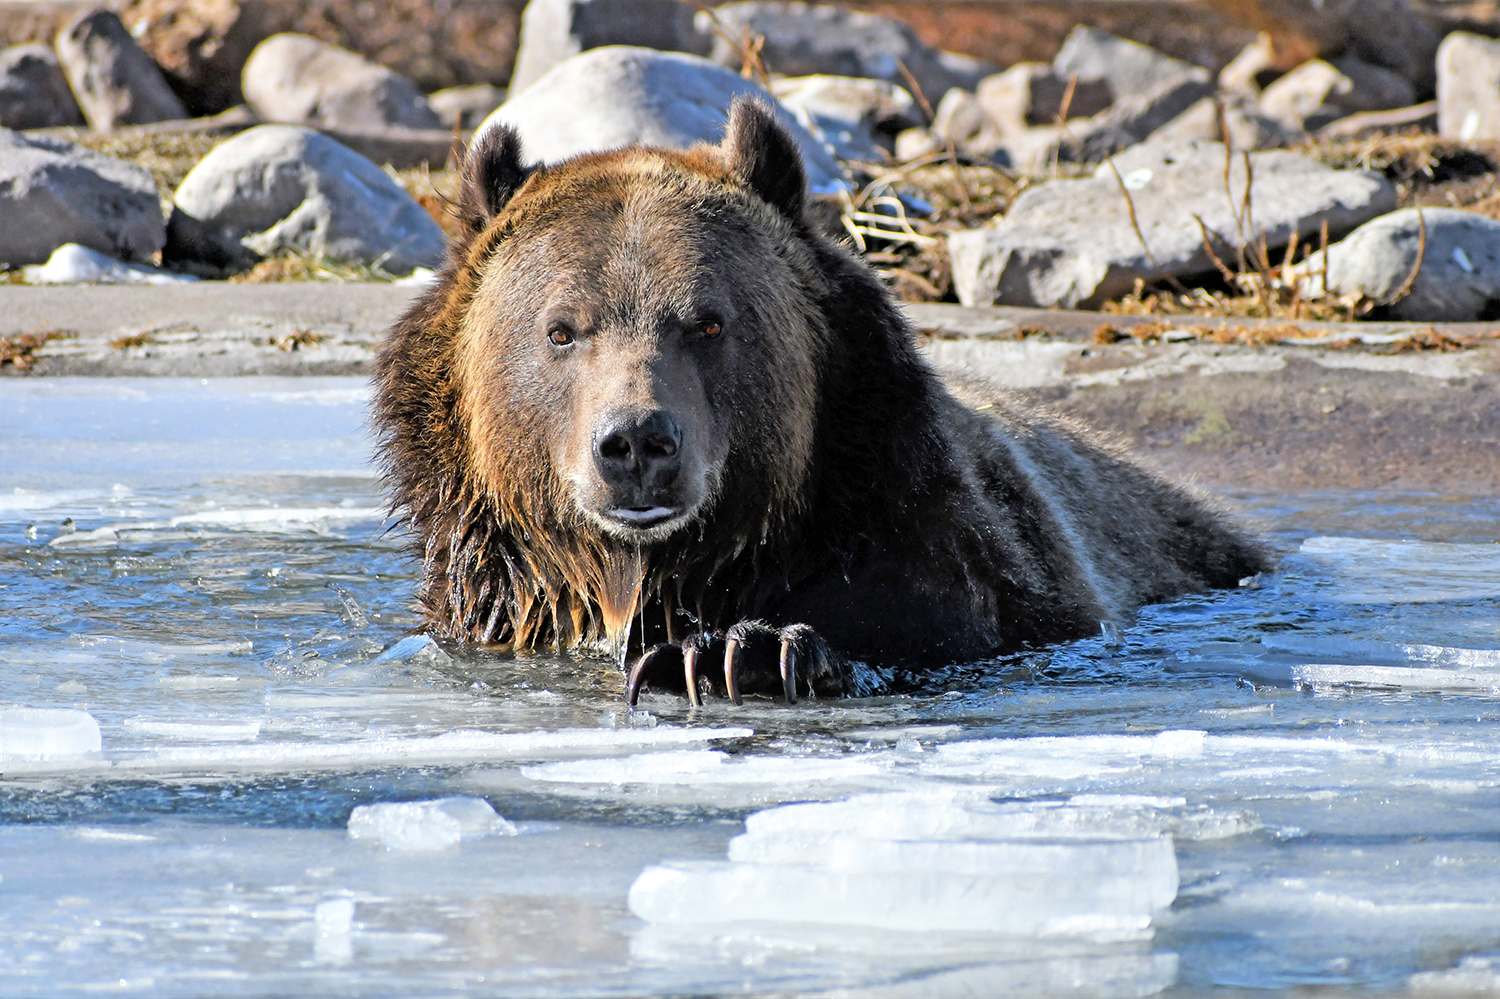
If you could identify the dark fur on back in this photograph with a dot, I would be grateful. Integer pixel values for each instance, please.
(861, 495)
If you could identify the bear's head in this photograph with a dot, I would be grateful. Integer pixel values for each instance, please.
(638, 347)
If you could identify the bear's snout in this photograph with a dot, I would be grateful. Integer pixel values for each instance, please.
(638, 456)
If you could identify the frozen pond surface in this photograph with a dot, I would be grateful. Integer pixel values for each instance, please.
(226, 766)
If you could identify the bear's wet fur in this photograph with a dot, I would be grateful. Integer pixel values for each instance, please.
(646, 405)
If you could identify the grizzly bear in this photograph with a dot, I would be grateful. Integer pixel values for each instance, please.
(647, 406)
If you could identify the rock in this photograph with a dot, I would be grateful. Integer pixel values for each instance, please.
(1394, 121)
(1459, 279)
(282, 188)
(1032, 150)
(114, 82)
(74, 264)
(803, 38)
(1132, 119)
(554, 30)
(200, 45)
(1256, 65)
(958, 117)
(299, 80)
(914, 144)
(622, 95)
(468, 105)
(1468, 88)
(1129, 68)
(399, 148)
(1388, 33)
(54, 192)
(1318, 92)
(1071, 243)
(1032, 93)
(1209, 119)
(857, 118)
(33, 91)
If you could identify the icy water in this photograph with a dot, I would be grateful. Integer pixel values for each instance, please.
(227, 767)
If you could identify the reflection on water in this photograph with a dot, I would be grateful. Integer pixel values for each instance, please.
(1306, 769)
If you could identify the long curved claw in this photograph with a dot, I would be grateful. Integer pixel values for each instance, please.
(690, 674)
(731, 682)
(640, 674)
(789, 670)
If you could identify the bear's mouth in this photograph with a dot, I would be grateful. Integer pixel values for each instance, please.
(643, 517)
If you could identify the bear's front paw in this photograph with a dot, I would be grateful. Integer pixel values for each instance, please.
(750, 658)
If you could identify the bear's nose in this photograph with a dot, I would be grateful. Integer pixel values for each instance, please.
(638, 449)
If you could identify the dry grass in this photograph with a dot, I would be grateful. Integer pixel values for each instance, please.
(168, 155)
(19, 352)
(299, 267)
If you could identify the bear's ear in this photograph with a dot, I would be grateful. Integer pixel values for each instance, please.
(492, 173)
(764, 157)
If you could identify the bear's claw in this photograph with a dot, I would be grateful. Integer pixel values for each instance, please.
(754, 655)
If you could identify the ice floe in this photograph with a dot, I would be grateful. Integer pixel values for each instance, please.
(937, 862)
(38, 734)
(427, 825)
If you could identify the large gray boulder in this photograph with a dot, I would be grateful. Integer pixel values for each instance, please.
(1071, 243)
(857, 118)
(1468, 88)
(803, 38)
(113, 80)
(299, 80)
(282, 188)
(1128, 67)
(554, 30)
(622, 95)
(54, 192)
(33, 91)
(1459, 257)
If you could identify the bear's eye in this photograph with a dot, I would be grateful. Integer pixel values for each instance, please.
(560, 335)
(710, 328)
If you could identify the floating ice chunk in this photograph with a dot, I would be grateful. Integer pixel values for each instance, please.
(464, 745)
(955, 815)
(427, 825)
(1065, 757)
(1045, 900)
(413, 648)
(207, 681)
(1406, 572)
(704, 767)
(279, 516)
(247, 731)
(47, 733)
(1382, 653)
(1474, 975)
(1323, 675)
(333, 931)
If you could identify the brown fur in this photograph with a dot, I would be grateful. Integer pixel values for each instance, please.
(843, 485)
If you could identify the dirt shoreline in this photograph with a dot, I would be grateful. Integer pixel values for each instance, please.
(1325, 405)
